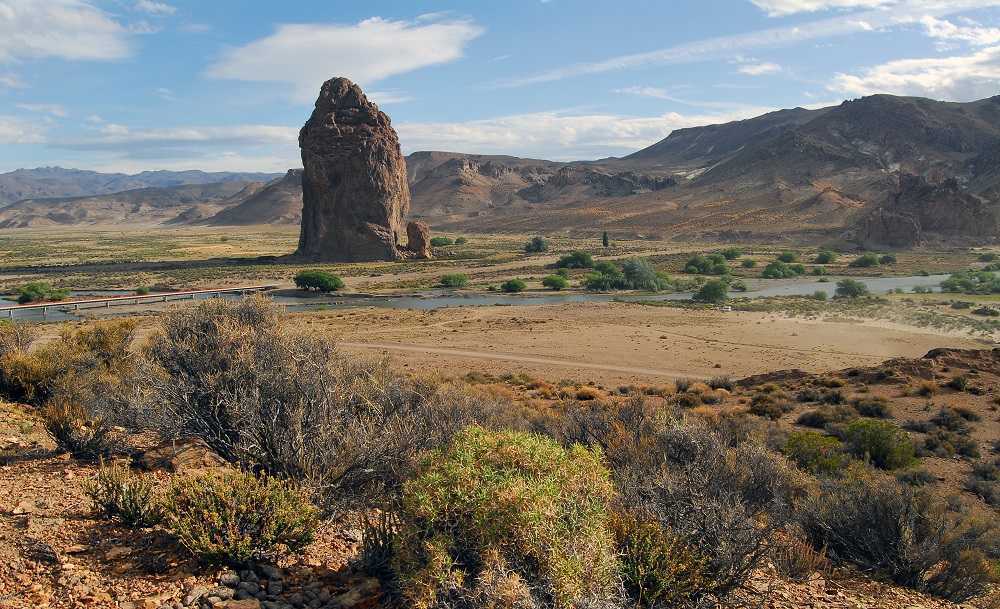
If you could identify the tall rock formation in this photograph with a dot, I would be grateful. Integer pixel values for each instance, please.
(354, 189)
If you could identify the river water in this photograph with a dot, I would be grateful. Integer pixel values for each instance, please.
(446, 298)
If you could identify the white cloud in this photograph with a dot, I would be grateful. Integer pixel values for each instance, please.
(760, 68)
(904, 12)
(12, 80)
(948, 33)
(960, 78)
(53, 109)
(306, 55)
(556, 136)
(122, 137)
(17, 130)
(653, 92)
(155, 8)
(95, 119)
(67, 29)
(780, 8)
(165, 93)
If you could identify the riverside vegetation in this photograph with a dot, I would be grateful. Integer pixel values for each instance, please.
(642, 498)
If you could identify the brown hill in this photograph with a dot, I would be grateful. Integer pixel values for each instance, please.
(278, 202)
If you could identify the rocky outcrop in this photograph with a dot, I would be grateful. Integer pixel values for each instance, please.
(919, 206)
(354, 189)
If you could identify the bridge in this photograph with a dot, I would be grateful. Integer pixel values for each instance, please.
(129, 299)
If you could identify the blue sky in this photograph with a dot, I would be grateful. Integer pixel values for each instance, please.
(133, 85)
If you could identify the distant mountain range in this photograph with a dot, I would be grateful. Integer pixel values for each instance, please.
(876, 172)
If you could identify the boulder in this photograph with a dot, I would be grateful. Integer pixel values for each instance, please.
(355, 195)
(418, 240)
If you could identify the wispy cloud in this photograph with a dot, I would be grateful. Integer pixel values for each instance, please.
(121, 137)
(165, 93)
(759, 68)
(12, 80)
(305, 55)
(780, 8)
(950, 35)
(961, 78)
(17, 130)
(155, 8)
(556, 135)
(67, 29)
(727, 47)
(53, 109)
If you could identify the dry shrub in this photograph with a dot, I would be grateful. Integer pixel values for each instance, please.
(796, 558)
(83, 437)
(904, 533)
(688, 400)
(928, 388)
(698, 387)
(666, 389)
(716, 396)
(348, 429)
(588, 393)
(538, 384)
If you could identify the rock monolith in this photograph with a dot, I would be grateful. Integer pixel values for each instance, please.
(355, 195)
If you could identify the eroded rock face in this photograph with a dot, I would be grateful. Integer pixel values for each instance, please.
(355, 195)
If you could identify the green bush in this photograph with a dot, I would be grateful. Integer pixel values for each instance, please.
(237, 516)
(866, 260)
(826, 257)
(988, 256)
(888, 259)
(851, 288)
(38, 291)
(576, 260)
(748, 263)
(119, 493)
(454, 281)
(319, 280)
(659, 568)
(986, 312)
(441, 241)
(820, 271)
(564, 273)
(887, 446)
(142, 290)
(788, 257)
(713, 265)
(510, 519)
(819, 295)
(555, 282)
(640, 274)
(513, 285)
(780, 270)
(461, 240)
(536, 245)
(731, 253)
(714, 290)
(816, 453)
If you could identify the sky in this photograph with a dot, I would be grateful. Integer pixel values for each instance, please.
(225, 85)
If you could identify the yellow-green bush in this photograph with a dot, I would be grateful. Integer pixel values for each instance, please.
(119, 493)
(508, 519)
(659, 567)
(237, 516)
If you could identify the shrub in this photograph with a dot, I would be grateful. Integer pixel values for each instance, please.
(823, 417)
(748, 263)
(819, 271)
(461, 240)
(788, 257)
(722, 382)
(319, 280)
(901, 532)
(815, 453)
(731, 253)
(555, 282)
(888, 259)
(958, 383)
(714, 290)
(237, 516)
(986, 312)
(850, 288)
(887, 446)
(564, 273)
(536, 245)
(119, 493)
(819, 295)
(38, 291)
(441, 241)
(778, 270)
(797, 559)
(576, 260)
(510, 519)
(659, 568)
(876, 407)
(142, 290)
(513, 285)
(70, 426)
(866, 260)
(640, 274)
(765, 406)
(347, 429)
(826, 257)
(928, 388)
(454, 281)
